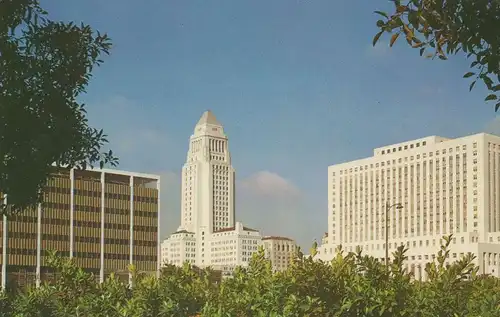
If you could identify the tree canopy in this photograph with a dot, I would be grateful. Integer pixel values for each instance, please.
(443, 28)
(352, 284)
(44, 66)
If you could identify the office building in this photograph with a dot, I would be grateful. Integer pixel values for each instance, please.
(445, 186)
(209, 234)
(103, 219)
(180, 247)
(233, 246)
(280, 251)
(208, 189)
(323, 249)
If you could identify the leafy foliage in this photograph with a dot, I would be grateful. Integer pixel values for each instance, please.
(44, 65)
(451, 27)
(351, 284)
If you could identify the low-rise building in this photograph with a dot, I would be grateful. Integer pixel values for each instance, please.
(234, 246)
(324, 250)
(179, 248)
(280, 250)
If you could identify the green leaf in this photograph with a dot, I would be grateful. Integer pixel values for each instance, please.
(469, 74)
(382, 14)
(487, 80)
(496, 88)
(472, 85)
(377, 36)
(491, 97)
(497, 106)
(393, 39)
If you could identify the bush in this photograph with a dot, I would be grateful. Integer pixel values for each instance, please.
(352, 284)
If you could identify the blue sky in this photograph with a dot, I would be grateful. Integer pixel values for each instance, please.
(296, 84)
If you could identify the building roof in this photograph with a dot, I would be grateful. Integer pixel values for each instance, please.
(208, 118)
(276, 238)
(183, 231)
(113, 171)
(234, 228)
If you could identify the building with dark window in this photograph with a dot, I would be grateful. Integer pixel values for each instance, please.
(104, 219)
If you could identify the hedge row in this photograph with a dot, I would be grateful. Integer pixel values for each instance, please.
(352, 284)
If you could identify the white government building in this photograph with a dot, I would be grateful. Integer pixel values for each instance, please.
(445, 186)
(280, 250)
(209, 234)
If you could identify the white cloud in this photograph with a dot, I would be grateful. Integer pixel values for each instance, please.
(270, 184)
(272, 204)
(264, 201)
(493, 127)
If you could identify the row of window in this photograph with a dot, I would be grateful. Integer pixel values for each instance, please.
(91, 255)
(400, 160)
(97, 240)
(438, 169)
(66, 238)
(97, 209)
(91, 193)
(45, 221)
(405, 147)
(32, 252)
(114, 256)
(87, 224)
(114, 226)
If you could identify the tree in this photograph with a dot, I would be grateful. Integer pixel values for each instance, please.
(44, 66)
(449, 28)
(351, 284)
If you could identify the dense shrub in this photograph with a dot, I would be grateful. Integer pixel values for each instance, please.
(350, 285)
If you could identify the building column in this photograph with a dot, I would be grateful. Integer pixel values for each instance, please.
(158, 241)
(4, 247)
(131, 244)
(38, 244)
(72, 213)
(103, 188)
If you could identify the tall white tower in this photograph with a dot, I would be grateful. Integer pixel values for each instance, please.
(207, 180)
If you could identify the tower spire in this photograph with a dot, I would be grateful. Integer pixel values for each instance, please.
(208, 118)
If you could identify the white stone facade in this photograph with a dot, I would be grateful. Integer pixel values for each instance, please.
(209, 234)
(179, 248)
(207, 179)
(446, 186)
(234, 246)
(323, 249)
(280, 250)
